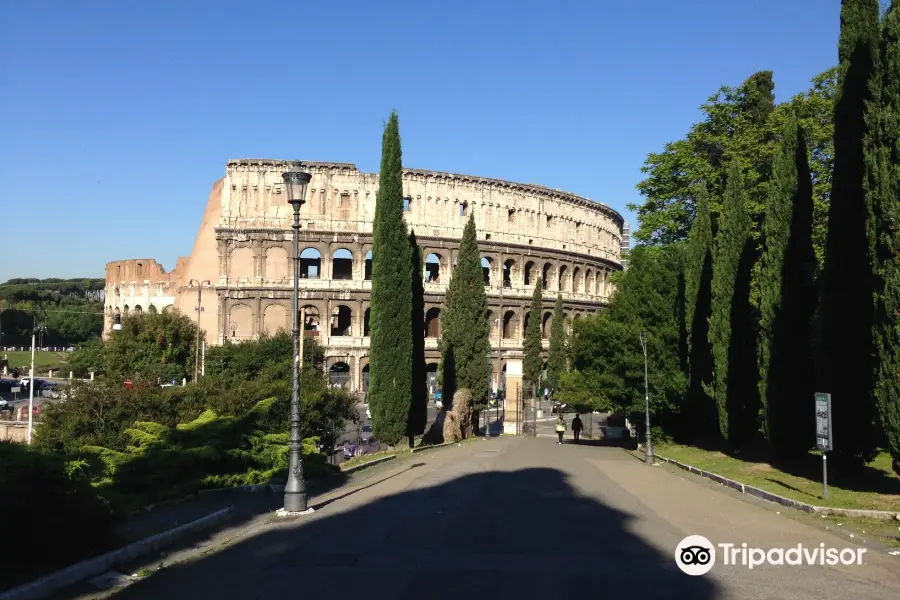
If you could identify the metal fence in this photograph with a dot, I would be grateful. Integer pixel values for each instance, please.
(528, 406)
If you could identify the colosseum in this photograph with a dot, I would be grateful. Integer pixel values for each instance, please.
(240, 265)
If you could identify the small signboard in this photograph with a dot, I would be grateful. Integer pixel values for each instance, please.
(16, 390)
(824, 441)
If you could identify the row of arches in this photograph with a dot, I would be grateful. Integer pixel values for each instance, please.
(562, 279)
(340, 322)
(136, 309)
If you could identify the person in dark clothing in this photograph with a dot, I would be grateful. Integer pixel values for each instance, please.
(577, 426)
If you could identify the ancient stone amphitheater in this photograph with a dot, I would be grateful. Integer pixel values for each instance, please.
(241, 256)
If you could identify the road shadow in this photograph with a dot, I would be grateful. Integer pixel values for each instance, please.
(523, 534)
(628, 443)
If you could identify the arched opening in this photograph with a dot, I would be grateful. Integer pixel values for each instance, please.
(125, 309)
(433, 268)
(342, 264)
(546, 275)
(589, 281)
(310, 263)
(546, 324)
(138, 310)
(525, 322)
(576, 280)
(277, 265)
(151, 309)
(367, 322)
(492, 323)
(339, 375)
(507, 272)
(486, 271)
(311, 320)
(529, 272)
(510, 325)
(341, 320)
(365, 379)
(563, 285)
(433, 323)
(368, 267)
(431, 373)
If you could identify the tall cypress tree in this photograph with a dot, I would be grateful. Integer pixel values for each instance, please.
(882, 153)
(418, 410)
(731, 329)
(534, 362)
(846, 307)
(391, 353)
(788, 300)
(465, 328)
(556, 359)
(700, 415)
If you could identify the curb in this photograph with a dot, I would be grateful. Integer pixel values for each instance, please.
(432, 447)
(778, 499)
(98, 565)
(367, 464)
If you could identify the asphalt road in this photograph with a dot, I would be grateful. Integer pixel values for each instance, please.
(519, 518)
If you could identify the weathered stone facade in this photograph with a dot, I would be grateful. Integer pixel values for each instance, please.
(244, 244)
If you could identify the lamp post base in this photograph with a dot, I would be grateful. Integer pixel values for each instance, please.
(284, 513)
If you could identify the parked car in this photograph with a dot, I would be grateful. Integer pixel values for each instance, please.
(559, 407)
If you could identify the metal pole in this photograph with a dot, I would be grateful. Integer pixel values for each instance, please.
(648, 451)
(824, 474)
(295, 490)
(203, 359)
(31, 392)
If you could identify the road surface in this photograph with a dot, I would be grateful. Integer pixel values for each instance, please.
(519, 518)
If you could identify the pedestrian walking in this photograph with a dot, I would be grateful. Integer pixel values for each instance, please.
(560, 428)
(577, 426)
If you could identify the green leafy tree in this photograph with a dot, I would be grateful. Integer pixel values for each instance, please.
(731, 330)
(699, 414)
(606, 358)
(788, 301)
(534, 362)
(418, 410)
(151, 347)
(846, 306)
(391, 355)
(465, 331)
(556, 358)
(882, 186)
(734, 129)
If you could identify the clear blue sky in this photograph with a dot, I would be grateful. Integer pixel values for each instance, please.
(119, 115)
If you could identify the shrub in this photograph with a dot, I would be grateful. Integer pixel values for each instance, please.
(52, 517)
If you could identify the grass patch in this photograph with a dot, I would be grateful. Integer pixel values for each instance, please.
(367, 458)
(876, 488)
(42, 360)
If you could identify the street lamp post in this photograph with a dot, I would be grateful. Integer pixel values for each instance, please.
(295, 183)
(648, 449)
(199, 309)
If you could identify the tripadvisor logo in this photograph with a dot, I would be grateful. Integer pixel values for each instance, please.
(696, 555)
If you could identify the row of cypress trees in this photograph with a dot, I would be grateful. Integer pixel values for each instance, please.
(397, 387)
(839, 334)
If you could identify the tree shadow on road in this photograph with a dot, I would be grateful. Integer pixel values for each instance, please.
(522, 534)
